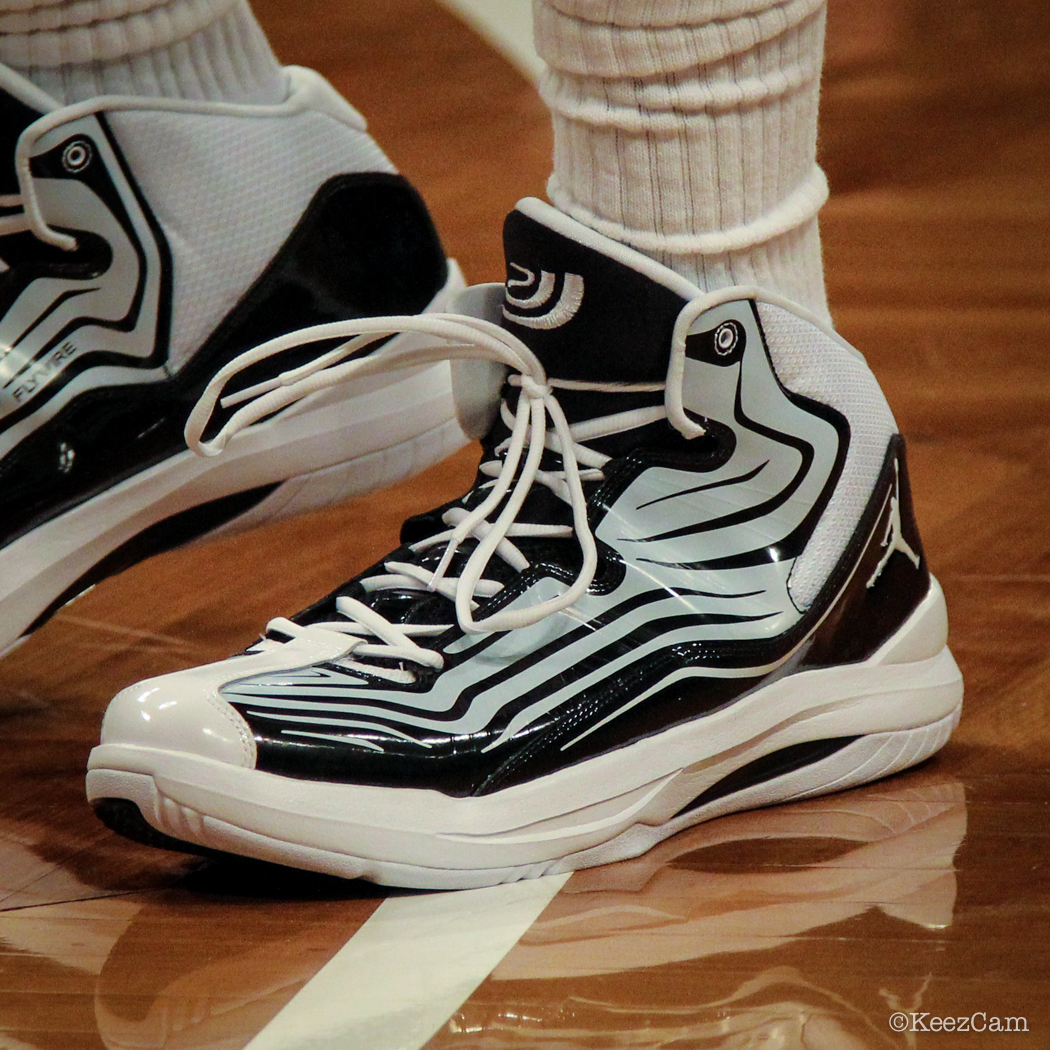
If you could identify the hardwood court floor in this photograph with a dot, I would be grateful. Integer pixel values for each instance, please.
(799, 927)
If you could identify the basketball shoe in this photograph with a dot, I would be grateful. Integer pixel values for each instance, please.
(144, 244)
(687, 581)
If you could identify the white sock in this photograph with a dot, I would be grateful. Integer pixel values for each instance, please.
(687, 129)
(196, 49)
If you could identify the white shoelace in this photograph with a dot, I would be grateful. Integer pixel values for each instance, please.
(31, 217)
(537, 424)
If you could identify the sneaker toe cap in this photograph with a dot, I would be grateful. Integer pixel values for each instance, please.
(183, 713)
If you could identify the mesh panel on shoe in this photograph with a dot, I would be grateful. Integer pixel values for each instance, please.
(811, 363)
(228, 190)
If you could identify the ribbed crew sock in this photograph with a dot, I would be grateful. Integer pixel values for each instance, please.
(687, 129)
(196, 49)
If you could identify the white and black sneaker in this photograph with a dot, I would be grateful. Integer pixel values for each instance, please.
(687, 581)
(144, 243)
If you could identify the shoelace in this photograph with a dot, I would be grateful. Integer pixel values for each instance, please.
(31, 217)
(537, 424)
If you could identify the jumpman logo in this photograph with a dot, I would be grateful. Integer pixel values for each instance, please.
(894, 539)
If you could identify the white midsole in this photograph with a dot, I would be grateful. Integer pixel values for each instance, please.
(555, 815)
(356, 421)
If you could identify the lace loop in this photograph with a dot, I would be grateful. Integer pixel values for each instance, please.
(458, 337)
(32, 216)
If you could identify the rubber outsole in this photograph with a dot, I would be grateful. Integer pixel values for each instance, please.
(176, 826)
(864, 721)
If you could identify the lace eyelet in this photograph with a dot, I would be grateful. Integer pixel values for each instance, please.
(77, 156)
(726, 336)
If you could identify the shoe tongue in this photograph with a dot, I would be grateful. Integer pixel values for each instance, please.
(588, 307)
(20, 104)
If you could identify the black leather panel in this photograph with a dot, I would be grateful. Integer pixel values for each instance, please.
(15, 117)
(621, 330)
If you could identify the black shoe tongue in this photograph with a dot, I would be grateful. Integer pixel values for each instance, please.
(15, 117)
(586, 315)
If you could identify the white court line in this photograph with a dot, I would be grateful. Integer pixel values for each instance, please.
(407, 969)
(507, 26)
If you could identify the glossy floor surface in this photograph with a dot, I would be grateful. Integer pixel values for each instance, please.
(799, 928)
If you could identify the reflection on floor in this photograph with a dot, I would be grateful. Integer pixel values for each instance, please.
(800, 928)
(740, 930)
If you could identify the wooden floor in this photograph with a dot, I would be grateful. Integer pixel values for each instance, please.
(800, 927)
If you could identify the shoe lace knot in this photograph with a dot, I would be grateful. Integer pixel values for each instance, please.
(535, 425)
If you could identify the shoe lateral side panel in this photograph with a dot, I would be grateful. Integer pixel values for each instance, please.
(118, 431)
(889, 580)
(331, 723)
(860, 619)
(602, 715)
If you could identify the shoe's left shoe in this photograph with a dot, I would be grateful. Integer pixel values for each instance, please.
(144, 244)
(687, 581)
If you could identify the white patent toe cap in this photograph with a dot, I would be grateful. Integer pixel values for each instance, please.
(185, 712)
(175, 713)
